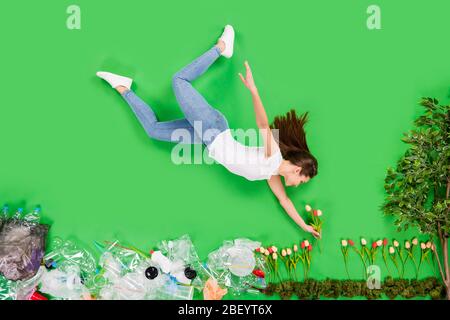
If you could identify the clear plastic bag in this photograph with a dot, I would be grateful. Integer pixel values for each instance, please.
(233, 264)
(69, 271)
(185, 264)
(22, 244)
(127, 274)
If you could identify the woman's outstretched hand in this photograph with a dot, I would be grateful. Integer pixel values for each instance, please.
(248, 80)
(311, 230)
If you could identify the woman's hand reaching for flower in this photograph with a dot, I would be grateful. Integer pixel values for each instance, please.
(248, 81)
(311, 230)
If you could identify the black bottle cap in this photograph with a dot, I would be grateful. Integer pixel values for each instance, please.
(151, 273)
(190, 273)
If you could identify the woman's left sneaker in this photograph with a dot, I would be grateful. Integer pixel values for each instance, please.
(115, 80)
(228, 38)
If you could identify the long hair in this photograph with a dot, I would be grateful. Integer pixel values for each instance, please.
(291, 139)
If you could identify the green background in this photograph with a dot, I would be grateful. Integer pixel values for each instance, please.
(72, 145)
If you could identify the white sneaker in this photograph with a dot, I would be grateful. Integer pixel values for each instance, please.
(228, 38)
(115, 80)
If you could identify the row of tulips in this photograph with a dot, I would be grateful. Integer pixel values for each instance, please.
(398, 254)
(290, 257)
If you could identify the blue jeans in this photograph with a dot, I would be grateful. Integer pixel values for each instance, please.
(199, 115)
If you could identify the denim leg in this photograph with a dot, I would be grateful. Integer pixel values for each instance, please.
(171, 131)
(194, 106)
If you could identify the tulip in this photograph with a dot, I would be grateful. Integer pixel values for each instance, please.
(423, 246)
(266, 252)
(407, 245)
(396, 244)
(379, 243)
(270, 250)
(308, 208)
(433, 247)
(295, 248)
(274, 249)
(310, 248)
(259, 273)
(288, 251)
(344, 243)
(429, 244)
(306, 243)
(303, 245)
(391, 250)
(385, 242)
(274, 256)
(283, 253)
(350, 242)
(363, 241)
(262, 249)
(374, 245)
(415, 241)
(258, 249)
(319, 213)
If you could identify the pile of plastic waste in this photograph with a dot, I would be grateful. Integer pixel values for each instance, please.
(235, 266)
(173, 271)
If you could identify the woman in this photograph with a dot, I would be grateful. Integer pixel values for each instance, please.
(289, 158)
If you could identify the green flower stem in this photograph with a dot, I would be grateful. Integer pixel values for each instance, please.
(386, 261)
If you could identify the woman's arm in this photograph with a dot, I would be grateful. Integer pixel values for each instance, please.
(277, 188)
(260, 113)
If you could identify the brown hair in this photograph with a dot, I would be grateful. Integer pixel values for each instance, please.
(292, 141)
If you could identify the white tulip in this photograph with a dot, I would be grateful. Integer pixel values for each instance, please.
(429, 244)
(266, 252)
(283, 253)
(423, 246)
(415, 241)
(396, 244)
(391, 250)
(262, 250)
(288, 251)
(363, 241)
(274, 249)
(308, 208)
(379, 243)
(407, 245)
(306, 242)
(344, 243)
(319, 213)
(295, 248)
(274, 256)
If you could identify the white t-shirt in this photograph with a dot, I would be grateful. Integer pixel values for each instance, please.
(248, 162)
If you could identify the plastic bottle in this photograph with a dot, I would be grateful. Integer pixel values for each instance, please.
(34, 216)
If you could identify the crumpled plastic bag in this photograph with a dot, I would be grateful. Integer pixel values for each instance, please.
(69, 271)
(129, 274)
(22, 244)
(18, 290)
(182, 261)
(233, 264)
